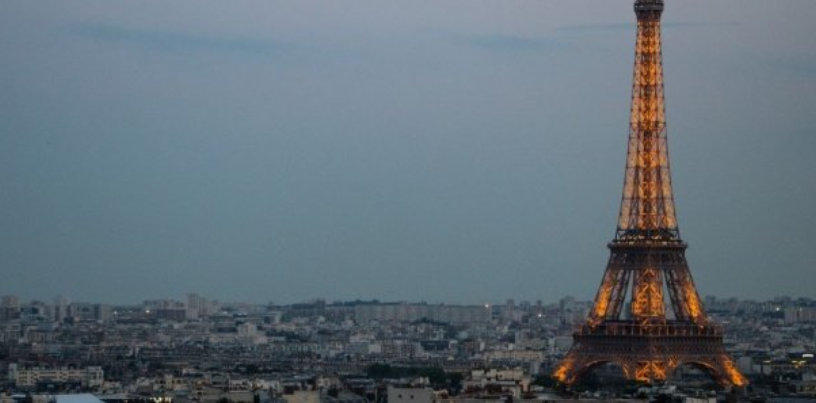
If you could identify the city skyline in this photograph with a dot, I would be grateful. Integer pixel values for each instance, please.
(185, 350)
(447, 152)
(184, 299)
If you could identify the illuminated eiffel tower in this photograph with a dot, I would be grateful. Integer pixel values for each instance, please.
(647, 255)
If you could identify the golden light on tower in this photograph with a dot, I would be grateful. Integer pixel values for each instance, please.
(647, 254)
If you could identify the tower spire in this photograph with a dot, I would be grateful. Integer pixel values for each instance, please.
(647, 254)
(647, 205)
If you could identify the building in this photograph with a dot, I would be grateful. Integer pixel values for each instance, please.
(402, 312)
(87, 377)
(410, 395)
(800, 315)
(9, 308)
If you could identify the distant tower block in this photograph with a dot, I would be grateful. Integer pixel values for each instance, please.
(666, 325)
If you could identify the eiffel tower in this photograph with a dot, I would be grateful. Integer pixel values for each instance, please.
(647, 339)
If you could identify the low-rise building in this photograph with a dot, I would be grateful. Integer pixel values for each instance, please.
(88, 377)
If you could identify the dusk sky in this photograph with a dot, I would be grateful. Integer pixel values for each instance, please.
(458, 151)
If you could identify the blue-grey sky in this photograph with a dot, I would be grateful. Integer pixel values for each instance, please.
(450, 151)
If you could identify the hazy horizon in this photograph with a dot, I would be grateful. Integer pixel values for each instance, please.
(452, 151)
(497, 302)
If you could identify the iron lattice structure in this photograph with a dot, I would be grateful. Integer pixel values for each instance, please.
(665, 325)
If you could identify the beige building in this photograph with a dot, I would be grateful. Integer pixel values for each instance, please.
(303, 396)
(89, 376)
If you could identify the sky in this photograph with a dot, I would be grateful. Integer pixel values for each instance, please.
(456, 151)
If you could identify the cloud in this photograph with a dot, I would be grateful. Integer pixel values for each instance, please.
(802, 64)
(698, 24)
(178, 42)
(512, 43)
(631, 26)
(622, 26)
(559, 41)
